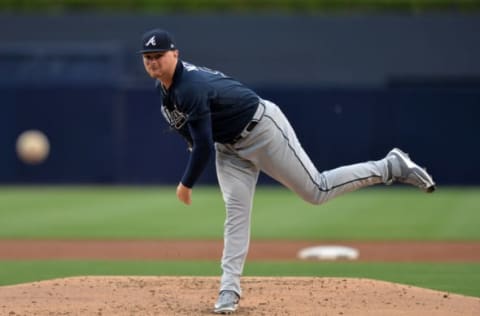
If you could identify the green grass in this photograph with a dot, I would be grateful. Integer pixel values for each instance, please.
(241, 5)
(396, 213)
(457, 278)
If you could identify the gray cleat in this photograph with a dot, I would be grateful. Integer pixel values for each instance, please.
(227, 302)
(404, 170)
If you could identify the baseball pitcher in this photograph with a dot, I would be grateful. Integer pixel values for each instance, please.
(217, 114)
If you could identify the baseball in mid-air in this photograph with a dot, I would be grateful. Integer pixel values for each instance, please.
(33, 147)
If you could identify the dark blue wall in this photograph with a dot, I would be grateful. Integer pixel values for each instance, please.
(353, 86)
(108, 135)
(294, 49)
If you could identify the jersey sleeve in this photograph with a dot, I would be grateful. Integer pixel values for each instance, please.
(201, 133)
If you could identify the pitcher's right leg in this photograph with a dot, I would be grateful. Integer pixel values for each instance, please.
(284, 159)
(404, 170)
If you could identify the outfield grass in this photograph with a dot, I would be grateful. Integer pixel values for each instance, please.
(457, 278)
(396, 213)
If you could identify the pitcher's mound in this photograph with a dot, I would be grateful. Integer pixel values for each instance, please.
(196, 296)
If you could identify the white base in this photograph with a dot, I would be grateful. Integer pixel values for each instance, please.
(329, 253)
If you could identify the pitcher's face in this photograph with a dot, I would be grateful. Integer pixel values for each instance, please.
(161, 65)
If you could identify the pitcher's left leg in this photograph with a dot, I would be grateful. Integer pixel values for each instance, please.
(237, 178)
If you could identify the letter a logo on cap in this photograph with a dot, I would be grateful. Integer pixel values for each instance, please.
(151, 41)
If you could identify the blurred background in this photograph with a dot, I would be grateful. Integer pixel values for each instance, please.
(356, 78)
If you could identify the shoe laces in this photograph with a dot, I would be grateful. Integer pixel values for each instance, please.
(228, 295)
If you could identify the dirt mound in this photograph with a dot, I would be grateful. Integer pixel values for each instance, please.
(196, 296)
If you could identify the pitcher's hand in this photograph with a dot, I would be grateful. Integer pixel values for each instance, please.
(184, 194)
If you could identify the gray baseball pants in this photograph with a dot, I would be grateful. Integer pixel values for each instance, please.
(273, 148)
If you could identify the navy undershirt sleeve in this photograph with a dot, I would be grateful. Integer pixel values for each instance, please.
(201, 133)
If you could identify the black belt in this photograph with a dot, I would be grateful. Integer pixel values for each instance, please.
(251, 125)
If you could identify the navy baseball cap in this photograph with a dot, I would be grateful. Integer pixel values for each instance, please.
(157, 40)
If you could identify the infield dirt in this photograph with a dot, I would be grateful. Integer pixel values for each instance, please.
(262, 295)
(196, 296)
(380, 251)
